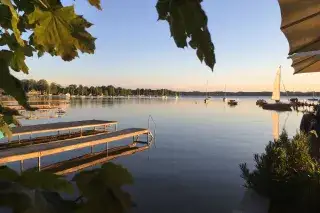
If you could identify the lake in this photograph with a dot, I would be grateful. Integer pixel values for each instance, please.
(194, 166)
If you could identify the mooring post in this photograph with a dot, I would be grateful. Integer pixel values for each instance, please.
(39, 163)
(19, 138)
(107, 149)
(21, 166)
(81, 131)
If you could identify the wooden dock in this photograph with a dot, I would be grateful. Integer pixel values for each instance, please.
(92, 159)
(61, 126)
(40, 150)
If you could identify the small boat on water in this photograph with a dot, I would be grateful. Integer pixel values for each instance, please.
(294, 100)
(232, 103)
(277, 106)
(261, 102)
(60, 111)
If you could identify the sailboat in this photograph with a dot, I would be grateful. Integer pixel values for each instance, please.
(278, 106)
(225, 93)
(207, 99)
(163, 95)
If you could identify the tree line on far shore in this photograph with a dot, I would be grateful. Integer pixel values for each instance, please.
(43, 87)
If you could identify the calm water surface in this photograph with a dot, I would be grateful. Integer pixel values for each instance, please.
(194, 167)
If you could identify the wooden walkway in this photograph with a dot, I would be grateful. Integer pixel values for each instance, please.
(40, 150)
(92, 159)
(61, 126)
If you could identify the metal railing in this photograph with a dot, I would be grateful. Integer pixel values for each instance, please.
(150, 118)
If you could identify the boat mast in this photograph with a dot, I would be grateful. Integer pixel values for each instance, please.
(207, 89)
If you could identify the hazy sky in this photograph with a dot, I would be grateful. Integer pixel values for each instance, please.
(134, 50)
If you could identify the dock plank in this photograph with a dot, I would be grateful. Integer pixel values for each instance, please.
(60, 126)
(40, 150)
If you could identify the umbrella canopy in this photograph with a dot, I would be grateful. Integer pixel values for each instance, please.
(301, 25)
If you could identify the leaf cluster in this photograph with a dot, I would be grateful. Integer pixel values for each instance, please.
(34, 191)
(188, 25)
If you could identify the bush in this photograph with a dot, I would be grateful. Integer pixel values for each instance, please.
(286, 174)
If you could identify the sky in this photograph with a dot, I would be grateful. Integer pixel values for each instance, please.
(134, 50)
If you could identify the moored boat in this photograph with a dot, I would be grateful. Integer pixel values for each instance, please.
(277, 106)
(232, 102)
(261, 102)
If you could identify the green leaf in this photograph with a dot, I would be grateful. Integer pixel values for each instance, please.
(53, 30)
(84, 41)
(34, 179)
(116, 174)
(5, 17)
(163, 9)
(7, 174)
(11, 85)
(187, 20)
(8, 111)
(102, 189)
(10, 119)
(6, 55)
(95, 3)
(5, 128)
(25, 6)
(21, 199)
(18, 61)
(60, 32)
(14, 21)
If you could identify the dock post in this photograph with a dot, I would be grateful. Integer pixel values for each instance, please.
(19, 138)
(91, 149)
(81, 131)
(21, 166)
(39, 163)
(107, 147)
(115, 127)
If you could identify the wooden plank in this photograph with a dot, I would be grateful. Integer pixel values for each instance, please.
(34, 151)
(60, 126)
(89, 160)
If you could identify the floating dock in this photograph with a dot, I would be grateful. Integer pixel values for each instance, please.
(41, 150)
(92, 159)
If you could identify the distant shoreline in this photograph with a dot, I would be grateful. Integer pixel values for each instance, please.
(254, 94)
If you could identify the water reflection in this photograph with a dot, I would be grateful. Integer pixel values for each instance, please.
(199, 147)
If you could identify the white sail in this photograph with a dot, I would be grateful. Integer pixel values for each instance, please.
(276, 86)
(275, 125)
